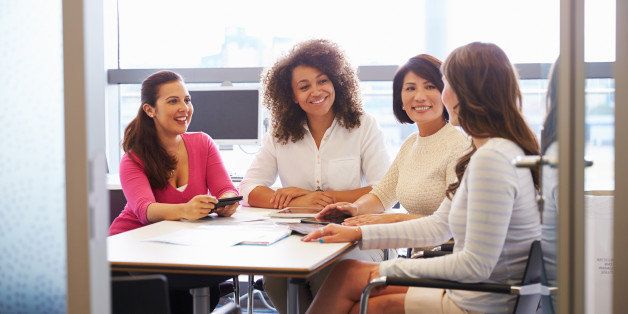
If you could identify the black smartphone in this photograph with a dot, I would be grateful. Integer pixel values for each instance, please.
(334, 219)
(314, 221)
(222, 202)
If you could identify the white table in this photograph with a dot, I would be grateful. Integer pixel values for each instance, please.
(289, 257)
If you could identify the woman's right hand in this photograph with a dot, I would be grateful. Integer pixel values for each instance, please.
(282, 197)
(198, 207)
(317, 198)
(337, 209)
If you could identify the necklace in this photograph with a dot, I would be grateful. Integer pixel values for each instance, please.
(176, 156)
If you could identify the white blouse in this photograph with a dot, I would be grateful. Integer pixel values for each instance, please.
(345, 160)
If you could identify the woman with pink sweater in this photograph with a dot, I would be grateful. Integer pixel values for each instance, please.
(169, 174)
(166, 173)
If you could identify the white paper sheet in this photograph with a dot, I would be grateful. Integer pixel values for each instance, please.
(214, 237)
(225, 235)
(235, 218)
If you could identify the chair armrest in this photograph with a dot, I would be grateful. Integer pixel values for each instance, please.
(446, 247)
(430, 254)
(446, 284)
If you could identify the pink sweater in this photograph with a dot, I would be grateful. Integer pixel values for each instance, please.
(206, 173)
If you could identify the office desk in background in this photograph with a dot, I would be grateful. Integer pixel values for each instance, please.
(289, 257)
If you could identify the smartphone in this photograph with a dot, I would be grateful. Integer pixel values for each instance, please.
(334, 219)
(227, 201)
(315, 221)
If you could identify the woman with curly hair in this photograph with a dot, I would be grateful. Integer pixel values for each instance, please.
(322, 145)
(490, 211)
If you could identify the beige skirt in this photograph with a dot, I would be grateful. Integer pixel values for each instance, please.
(429, 300)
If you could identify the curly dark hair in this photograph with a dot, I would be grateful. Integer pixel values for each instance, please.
(288, 118)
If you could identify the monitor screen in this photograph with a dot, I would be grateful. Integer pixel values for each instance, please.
(230, 115)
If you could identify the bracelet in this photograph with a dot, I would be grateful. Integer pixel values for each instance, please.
(359, 231)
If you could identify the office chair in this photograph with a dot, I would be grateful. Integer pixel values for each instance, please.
(533, 295)
(140, 294)
(255, 288)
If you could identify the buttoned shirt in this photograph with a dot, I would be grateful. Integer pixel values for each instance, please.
(345, 160)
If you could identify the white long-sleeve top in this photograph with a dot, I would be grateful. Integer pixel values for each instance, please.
(345, 160)
(422, 171)
(493, 218)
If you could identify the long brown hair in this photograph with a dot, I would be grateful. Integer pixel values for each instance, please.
(140, 136)
(287, 117)
(489, 100)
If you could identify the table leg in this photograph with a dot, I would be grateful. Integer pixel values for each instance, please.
(200, 300)
(236, 291)
(293, 295)
(249, 300)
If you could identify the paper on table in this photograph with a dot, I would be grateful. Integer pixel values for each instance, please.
(266, 236)
(283, 221)
(214, 237)
(225, 235)
(235, 218)
(254, 234)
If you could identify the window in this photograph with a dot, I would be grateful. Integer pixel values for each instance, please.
(156, 34)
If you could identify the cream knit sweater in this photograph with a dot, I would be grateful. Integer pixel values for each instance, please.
(422, 171)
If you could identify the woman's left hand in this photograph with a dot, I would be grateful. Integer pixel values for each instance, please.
(372, 219)
(334, 233)
(229, 209)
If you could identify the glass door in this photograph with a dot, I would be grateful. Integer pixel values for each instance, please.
(599, 148)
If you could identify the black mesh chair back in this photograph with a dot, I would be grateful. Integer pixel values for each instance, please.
(533, 274)
(139, 294)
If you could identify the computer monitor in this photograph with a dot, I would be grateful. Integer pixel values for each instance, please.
(230, 115)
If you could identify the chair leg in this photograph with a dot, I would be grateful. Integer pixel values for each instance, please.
(249, 303)
(200, 300)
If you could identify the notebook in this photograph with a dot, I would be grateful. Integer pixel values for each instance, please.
(265, 236)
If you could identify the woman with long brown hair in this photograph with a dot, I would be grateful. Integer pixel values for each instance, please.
(491, 210)
(167, 173)
(170, 174)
